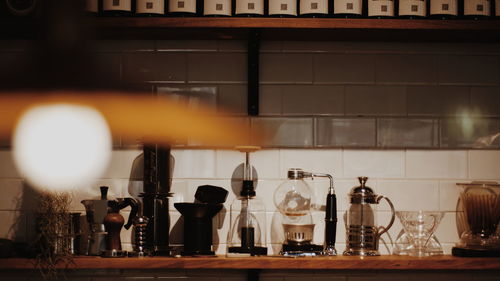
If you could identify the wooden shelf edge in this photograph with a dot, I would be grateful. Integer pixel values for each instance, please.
(330, 29)
(325, 263)
(296, 23)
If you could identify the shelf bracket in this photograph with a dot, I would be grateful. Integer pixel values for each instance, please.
(253, 52)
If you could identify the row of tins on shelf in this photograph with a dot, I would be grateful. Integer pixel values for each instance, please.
(441, 9)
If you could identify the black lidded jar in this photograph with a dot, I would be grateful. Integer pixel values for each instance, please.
(349, 8)
(185, 8)
(443, 9)
(381, 9)
(413, 9)
(150, 8)
(118, 8)
(283, 8)
(314, 8)
(477, 9)
(249, 8)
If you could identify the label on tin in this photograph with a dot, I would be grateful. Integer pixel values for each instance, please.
(348, 7)
(150, 7)
(444, 7)
(217, 7)
(117, 5)
(477, 7)
(412, 8)
(380, 8)
(313, 7)
(182, 6)
(283, 7)
(249, 7)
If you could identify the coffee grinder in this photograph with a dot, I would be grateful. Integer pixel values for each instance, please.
(247, 232)
(293, 199)
(114, 222)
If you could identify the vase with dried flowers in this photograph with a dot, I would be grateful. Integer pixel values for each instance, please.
(53, 241)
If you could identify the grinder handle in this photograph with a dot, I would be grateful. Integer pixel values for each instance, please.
(133, 212)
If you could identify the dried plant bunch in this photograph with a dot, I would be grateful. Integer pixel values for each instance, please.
(53, 243)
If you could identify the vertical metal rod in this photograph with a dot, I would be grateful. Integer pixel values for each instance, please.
(253, 52)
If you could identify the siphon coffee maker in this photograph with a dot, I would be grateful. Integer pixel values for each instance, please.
(478, 216)
(293, 199)
(247, 232)
(362, 232)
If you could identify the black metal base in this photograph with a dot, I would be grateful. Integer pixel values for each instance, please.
(255, 251)
(163, 252)
(198, 253)
(464, 252)
(302, 250)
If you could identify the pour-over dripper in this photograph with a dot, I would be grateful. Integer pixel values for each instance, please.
(419, 226)
(198, 227)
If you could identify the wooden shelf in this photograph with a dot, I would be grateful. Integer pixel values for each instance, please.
(333, 263)
(299, 29)
(278, 29)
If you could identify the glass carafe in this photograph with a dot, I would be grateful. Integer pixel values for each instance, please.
(478, 216)
(293, 200)
(247, 235)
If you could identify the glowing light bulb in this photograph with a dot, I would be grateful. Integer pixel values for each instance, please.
(62, 146)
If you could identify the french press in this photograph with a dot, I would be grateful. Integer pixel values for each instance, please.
(362, 232)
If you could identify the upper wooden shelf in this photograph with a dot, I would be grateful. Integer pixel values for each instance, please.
(333, 263)
(281, 29)
(299, 29)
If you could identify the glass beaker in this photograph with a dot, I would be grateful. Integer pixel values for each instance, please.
(478, 215)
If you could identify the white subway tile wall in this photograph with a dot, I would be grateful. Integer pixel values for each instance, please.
(344, 69)
(403, 132)
(286, 68)
(436, 164)
(412, 179)
(321, 100)
(345, 132)
(375, 100)
(314, 79)
(485, 101)
(406, 69)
